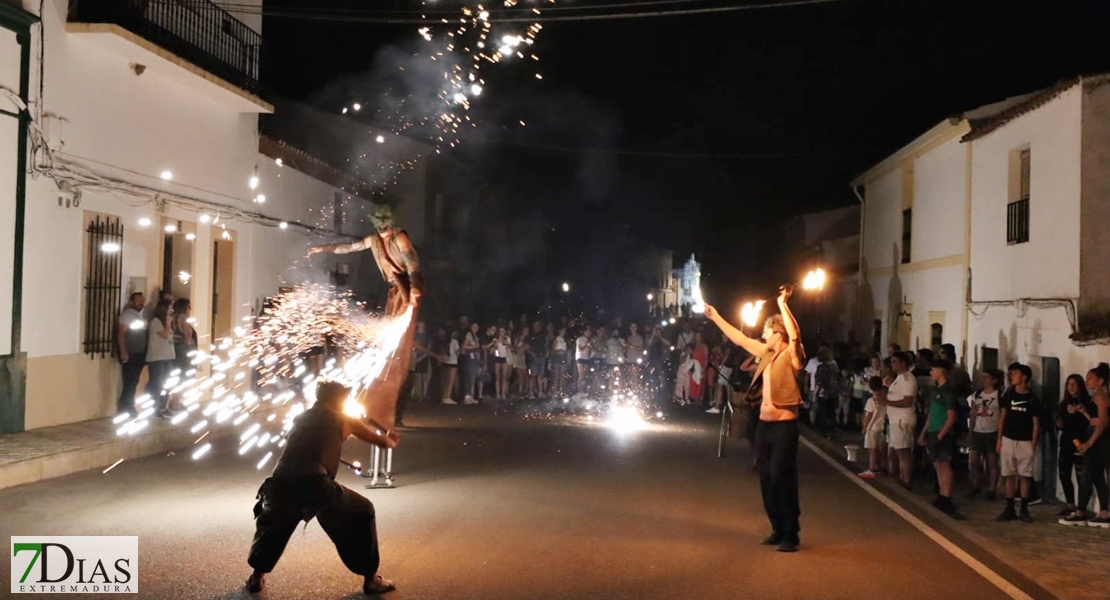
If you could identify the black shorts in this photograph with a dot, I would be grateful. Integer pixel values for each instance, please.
(940, 450)
(583, 361)
(448, 366)
(500, 360)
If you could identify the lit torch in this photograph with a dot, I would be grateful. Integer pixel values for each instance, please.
(815, 280)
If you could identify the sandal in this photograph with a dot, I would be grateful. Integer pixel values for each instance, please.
(377, 585)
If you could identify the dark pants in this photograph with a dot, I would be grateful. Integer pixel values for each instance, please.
(777, 461)
(826, 414)
(132, 370)
(347, 518)
(1094, 476)
(1066, 466)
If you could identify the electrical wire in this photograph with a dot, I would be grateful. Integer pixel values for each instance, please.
(356, 18)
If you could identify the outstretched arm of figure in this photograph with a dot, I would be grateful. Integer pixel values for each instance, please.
(347, 248)
(754, 347)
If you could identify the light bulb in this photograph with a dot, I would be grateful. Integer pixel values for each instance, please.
(254, 182)
(144, 222)
(284, 225)
(260, 198)
(205, 218)
(167, 175)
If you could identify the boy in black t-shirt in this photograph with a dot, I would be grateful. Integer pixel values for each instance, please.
(1018, 429)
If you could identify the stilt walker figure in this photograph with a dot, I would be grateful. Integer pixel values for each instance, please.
(400, 267)
(303, 487)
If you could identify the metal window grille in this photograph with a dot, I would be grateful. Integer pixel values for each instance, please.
(103, 271)
(1017, 212)
(907, 231)
(1017, 222)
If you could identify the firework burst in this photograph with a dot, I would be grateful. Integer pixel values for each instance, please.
(258, 380)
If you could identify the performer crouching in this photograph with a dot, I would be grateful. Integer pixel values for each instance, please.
(303, 486)
(776, 445)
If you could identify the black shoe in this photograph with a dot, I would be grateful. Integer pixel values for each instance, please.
(974, 493)
(1025, 516)
(773, 540)
(990, 496)
(1008, 515)
(256, 582)
(789, 544)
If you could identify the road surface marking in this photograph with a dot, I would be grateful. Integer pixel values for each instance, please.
(983, 570)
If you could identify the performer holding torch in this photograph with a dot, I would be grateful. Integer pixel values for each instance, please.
(400, 267)
(781, 356)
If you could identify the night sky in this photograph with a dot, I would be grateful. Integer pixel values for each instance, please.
(688, 132)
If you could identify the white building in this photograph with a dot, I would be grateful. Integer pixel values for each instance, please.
(914, 255)
(1040, 246)
(143, 125)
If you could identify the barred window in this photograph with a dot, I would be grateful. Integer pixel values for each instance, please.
(907, 233)
(103, 272)
(1017, 212)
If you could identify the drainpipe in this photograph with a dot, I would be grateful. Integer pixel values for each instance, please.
(860, 321)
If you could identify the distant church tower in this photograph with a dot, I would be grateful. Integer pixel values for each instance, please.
(689, 277)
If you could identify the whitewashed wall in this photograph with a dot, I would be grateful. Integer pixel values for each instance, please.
(100, 114)
(939, 214)
(1048, 264)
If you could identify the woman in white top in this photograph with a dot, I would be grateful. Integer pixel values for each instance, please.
(559, 359)
(502, 369)
(451, 368)
(160, 355)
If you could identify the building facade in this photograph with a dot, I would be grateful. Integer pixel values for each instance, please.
(145, 174)
(1040, 248)
(914, 242)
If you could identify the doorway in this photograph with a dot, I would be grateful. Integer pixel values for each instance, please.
(178, 241)
(223, 280)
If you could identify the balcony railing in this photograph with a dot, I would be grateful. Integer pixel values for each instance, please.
(195, 30)
(1017, 222)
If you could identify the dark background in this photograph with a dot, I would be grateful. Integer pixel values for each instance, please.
(692, 133)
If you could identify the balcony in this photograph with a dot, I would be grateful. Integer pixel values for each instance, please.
(194, 34)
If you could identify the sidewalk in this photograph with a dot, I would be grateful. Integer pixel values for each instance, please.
(40, 454)
(1072, 563)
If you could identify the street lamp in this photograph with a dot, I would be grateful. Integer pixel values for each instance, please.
(566, 287)
(650, 297)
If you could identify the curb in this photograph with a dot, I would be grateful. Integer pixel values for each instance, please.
(104, 453)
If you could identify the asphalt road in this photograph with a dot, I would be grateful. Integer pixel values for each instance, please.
(498, 505)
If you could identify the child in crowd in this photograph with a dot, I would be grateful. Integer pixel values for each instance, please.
(874, 415)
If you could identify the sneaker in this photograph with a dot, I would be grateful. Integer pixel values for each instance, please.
(470, 400)
(869, 474)
(1025, 516)
(1074, 521)
(256, 582)
(1035, 501)
(1103, 522)
(1007, 515)
(377, 585)
(714, 411)
(449, 401)
(1065, 512)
